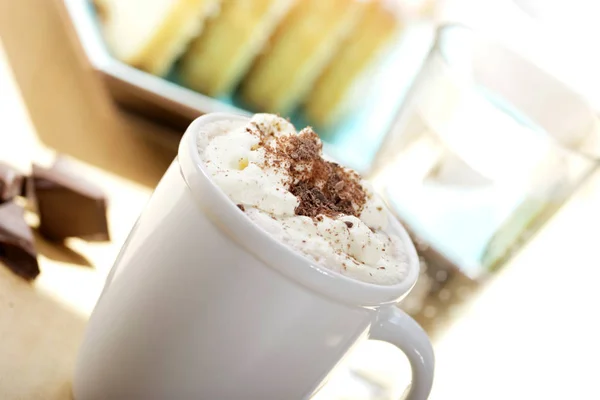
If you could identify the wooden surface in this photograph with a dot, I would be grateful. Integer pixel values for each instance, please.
(50, 101)
(532, 333)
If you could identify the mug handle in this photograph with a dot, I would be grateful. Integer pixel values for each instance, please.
(394, 326)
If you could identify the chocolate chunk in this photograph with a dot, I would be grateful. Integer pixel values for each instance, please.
(27, 189)
(17, 249)
(68, 205)
(11, 182)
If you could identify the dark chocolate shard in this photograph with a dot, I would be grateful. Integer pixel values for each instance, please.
(68, 205)
(11, 182)
(17, 248)
(27, 190)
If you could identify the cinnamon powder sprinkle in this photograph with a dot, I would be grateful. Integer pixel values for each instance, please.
(322, 187)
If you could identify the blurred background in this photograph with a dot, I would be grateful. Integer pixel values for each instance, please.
(476, 120)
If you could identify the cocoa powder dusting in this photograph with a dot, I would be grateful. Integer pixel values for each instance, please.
(321, 186)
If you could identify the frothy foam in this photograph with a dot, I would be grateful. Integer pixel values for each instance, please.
(279, 178)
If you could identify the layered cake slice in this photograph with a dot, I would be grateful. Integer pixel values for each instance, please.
(152, 34)
(330, 96)
(217, 60)
(299, 50)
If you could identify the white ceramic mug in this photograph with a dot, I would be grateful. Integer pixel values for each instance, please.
(203, 304)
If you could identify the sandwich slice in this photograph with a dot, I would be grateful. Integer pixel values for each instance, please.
(152, 34)
(330, 97)
(302, 45)
(217, 60)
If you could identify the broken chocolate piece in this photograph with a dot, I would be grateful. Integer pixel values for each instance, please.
(11, 182)
(68, 205)
(27, 189)
(17, 248)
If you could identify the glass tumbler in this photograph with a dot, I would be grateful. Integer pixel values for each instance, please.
(485, 148)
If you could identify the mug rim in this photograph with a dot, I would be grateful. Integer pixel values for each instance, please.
(234, 223)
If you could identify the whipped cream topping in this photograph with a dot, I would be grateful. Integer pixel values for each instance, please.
(280, 179)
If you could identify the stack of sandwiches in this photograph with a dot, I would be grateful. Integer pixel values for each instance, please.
(277, 56)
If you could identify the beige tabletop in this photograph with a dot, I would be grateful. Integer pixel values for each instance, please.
(532, 333)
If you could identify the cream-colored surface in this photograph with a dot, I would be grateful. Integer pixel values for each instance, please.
(532, 333)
